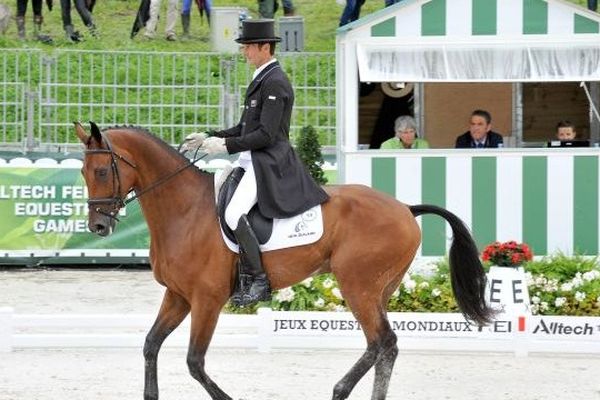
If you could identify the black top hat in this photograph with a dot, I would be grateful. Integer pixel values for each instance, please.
(258, 31)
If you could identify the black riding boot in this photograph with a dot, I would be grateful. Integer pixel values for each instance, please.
(253, 285)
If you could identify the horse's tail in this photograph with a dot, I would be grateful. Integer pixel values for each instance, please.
(466, 272)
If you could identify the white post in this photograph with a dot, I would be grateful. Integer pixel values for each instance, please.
(507, 292)
(521, 336)
(265, 323)
(6, 329)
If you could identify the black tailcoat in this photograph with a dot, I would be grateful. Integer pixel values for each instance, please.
(285, 187)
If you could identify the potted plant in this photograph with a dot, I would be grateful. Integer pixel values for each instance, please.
(507, 286)
(507, 254)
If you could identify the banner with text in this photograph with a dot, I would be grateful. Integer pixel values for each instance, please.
(432, 325)
(45, 209)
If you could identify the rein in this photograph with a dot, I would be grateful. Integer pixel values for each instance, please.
(116, 200)
(163, 179)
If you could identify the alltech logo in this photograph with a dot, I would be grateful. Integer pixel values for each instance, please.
(561, 327)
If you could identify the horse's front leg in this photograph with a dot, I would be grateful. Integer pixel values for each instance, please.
(204, 320)
(173, 310)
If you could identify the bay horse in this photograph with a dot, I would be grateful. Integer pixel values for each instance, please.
(368, 244)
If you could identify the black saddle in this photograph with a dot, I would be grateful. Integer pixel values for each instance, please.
(262, 226)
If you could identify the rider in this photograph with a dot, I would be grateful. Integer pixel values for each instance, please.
(274, 177)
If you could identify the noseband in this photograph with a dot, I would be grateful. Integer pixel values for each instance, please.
(115, 202)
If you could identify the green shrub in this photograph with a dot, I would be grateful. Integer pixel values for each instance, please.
(561, 285)
(309, 150)
(558, 285)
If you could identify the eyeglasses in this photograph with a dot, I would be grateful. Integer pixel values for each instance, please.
(408, 131)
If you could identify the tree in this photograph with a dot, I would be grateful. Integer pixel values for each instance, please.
(309, 151)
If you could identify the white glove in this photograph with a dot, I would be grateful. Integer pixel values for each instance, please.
(214, 145)
(193, 141)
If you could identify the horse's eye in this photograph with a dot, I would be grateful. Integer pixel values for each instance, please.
(101, 172)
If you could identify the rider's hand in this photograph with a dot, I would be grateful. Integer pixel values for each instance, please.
(214, 145)
(193, 141)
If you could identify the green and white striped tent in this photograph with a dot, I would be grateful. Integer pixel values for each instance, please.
(546, 197)
(475, 40)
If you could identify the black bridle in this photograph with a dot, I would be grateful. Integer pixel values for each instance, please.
(116, 201)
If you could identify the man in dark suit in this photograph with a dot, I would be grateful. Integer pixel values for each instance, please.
(274, 177)
(480, 134)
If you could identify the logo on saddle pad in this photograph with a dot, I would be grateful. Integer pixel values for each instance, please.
(302, 229)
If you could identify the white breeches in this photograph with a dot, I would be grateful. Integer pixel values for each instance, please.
(243, 199)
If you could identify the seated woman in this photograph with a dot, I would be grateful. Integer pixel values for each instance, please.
(406, 137)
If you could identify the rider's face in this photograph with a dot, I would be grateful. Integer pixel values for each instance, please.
(256, 53)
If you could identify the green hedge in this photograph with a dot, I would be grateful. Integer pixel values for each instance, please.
(558, 285)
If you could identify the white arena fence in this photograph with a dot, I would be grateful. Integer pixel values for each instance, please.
(270, 330)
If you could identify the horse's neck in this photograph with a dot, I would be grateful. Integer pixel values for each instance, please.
(179, 196)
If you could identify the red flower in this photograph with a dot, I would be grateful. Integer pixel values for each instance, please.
(507, 254)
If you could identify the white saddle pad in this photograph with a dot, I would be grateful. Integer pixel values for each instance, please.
(299, 230)
(302, 229)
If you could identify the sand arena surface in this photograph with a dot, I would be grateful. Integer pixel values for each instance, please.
(111, 374)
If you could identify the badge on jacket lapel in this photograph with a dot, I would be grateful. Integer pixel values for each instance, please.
(253, 103)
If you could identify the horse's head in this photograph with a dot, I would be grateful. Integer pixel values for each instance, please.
(109, 175)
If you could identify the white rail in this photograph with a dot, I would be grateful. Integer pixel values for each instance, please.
(308, 330)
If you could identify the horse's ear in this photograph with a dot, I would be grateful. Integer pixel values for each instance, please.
(96, 132)
(81, 133)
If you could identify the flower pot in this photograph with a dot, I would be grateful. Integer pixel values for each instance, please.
(507, 290)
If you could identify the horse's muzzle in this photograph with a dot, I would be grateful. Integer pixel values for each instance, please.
(101, 226)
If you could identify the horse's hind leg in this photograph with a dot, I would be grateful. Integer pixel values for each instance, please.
(368, 304)
(381, 346)
(172, 311)
(389, 350)
(343, 388)
(384, 366)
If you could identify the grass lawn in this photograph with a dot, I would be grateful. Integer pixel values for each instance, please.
(114, 19)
